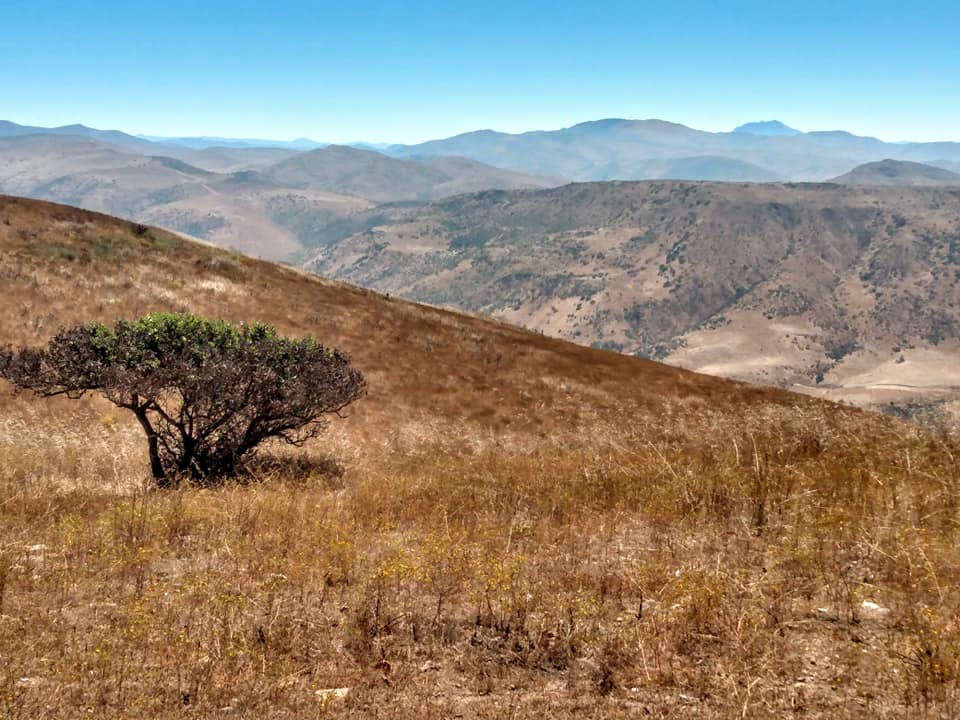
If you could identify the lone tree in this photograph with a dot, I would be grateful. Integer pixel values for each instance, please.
(205, 392)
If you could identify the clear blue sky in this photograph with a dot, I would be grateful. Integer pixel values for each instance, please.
(410, 71)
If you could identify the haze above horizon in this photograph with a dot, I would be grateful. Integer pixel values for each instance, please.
(382, 72)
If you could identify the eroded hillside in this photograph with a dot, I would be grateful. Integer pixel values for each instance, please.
(847, 290)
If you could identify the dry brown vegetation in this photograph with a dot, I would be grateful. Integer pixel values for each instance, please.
(507, 526)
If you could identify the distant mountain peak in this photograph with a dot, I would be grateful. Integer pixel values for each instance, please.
(897, 172)
(647, 125)
(601, 124)
(768, 128)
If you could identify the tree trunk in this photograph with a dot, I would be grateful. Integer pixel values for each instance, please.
(188, 448)
(153, 445)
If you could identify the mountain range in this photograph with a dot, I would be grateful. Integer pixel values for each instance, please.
(642, 149)
(268, 201)
(847, 288)
(849, 292)
(281, 201)
(608, 149)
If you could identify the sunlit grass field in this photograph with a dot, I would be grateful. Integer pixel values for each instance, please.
(782, 567)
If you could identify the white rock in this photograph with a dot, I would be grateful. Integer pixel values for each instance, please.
(332, 694)
(873, 607)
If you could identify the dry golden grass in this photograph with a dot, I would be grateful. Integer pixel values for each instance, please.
(559, 532)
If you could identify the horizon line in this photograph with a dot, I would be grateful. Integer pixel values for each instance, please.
(157, 138)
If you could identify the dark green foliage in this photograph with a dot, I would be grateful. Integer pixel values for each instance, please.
(473, 238)
(109, 247)
(840, 347)
(205, 392)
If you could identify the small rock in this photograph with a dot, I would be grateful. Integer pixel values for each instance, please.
(328, 695)
(873, 607)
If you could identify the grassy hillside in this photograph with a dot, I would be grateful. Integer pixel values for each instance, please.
(848, 290)
(508, 525)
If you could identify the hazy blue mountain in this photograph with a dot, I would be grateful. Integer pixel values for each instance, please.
(712, 167)
(617, 148)
(606, 149)
(203, 142)
(768, 128)
(898, 172)
(115, 137)
(375, 176)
